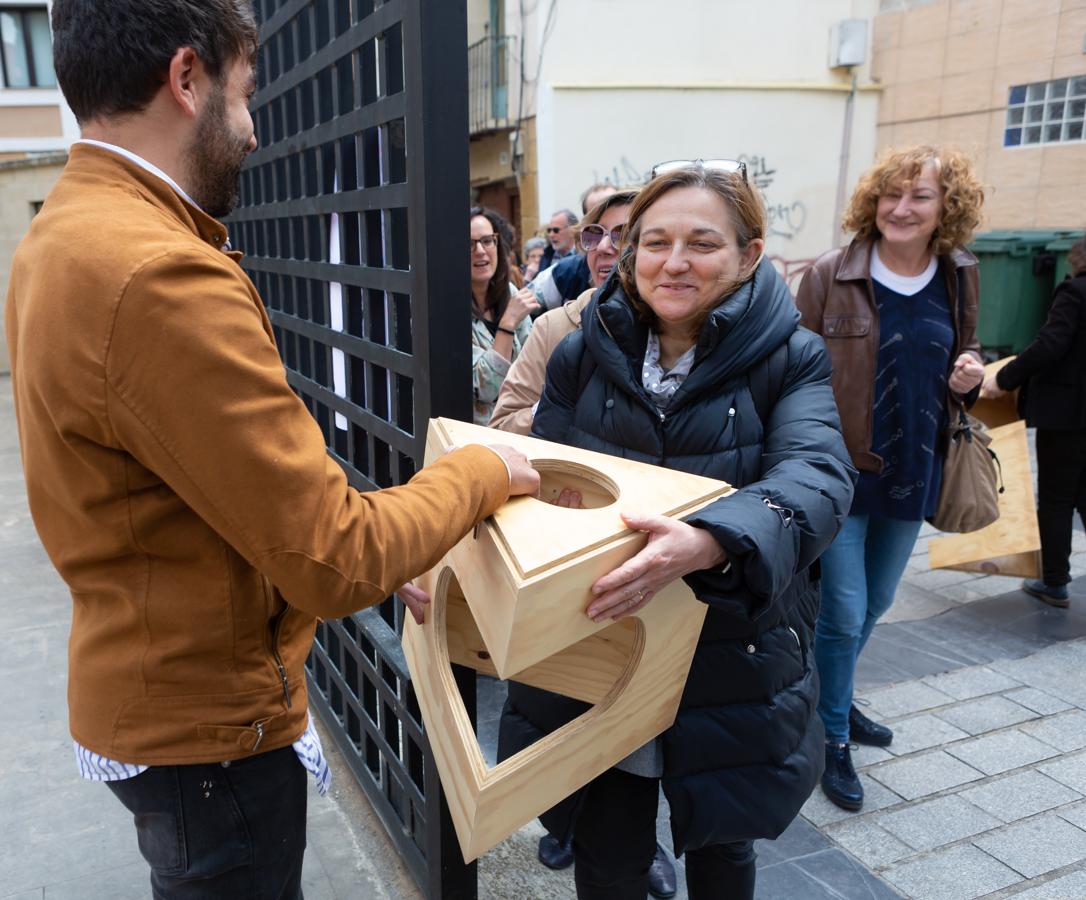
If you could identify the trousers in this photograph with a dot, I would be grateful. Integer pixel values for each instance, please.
(221, 831)
(861, 570)
(1061, 491)
(614, 841)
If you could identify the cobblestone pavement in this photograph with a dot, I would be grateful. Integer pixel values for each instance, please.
(983, 792)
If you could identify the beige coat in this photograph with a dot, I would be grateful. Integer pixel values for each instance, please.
(523, 386)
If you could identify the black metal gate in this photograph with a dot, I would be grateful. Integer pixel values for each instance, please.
(353, 219)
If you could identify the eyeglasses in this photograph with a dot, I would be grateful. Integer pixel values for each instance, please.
(592, 236)
(487, 240)
(730, 166)
(552, 230)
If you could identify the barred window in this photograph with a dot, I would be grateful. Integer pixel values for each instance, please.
(1047, 112)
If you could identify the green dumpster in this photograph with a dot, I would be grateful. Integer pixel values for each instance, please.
(1060, 248)
(1016, 283)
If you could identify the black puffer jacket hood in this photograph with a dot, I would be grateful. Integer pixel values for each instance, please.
(746, 748)
(751, 323)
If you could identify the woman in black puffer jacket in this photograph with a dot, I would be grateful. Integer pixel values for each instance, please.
(692, 359)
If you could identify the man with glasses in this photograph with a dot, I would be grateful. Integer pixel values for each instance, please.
(560, 238)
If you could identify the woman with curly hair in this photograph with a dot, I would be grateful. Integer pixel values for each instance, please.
(897, 308)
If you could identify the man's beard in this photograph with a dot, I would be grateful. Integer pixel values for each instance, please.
(215, 157)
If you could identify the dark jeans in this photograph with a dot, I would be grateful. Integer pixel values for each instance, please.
(1061, 489)
(221, 831)
(614, 842)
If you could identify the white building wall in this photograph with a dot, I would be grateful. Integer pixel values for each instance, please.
(627, 84)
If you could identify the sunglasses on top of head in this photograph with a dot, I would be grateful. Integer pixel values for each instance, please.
(730, 166)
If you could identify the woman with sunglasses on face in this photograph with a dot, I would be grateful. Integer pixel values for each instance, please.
(898, 310)
(599, 237)
(691, 358)
(500, 314)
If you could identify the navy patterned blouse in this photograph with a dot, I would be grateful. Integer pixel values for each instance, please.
(916, 335)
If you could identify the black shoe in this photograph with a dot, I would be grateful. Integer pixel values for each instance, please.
(1052, 594)
(863, 731)
(554, 854)
(840, 782)
(661, 875)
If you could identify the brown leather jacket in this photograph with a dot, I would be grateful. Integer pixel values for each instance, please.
(837, 301)
(179, 485)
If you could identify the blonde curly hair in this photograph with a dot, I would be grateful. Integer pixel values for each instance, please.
(963, 194)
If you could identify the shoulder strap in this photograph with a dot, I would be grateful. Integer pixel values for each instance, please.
(767, 379)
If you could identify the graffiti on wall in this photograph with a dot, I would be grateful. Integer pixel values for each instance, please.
(792, 270)
(622, 173)
(787, 217)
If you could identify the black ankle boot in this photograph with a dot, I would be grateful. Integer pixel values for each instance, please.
(662, 875)
(554, 854)
(840, 782)
(863, 731)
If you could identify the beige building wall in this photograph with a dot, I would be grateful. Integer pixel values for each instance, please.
(947, 68)
(23, 184)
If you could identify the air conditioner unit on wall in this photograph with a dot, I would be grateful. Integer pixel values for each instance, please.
(848, 43)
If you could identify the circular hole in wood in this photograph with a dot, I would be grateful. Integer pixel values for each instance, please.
(556, 475)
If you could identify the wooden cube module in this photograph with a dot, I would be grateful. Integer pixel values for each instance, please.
(527, 571)
(510, 600)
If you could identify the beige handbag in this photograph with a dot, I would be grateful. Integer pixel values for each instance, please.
(972, 478)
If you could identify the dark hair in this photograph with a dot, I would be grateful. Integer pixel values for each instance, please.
(1077, 255)
(112, 56)
(744, 204)
(497, 291)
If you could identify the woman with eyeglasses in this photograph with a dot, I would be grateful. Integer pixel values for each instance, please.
(500, 314)
(599, 237)
(690, 357)
(898, 310)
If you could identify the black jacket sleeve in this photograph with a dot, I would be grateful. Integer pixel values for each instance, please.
(554, 415)
(779, 525)
(1053, 341)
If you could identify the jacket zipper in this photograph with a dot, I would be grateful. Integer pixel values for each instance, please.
(278, 659)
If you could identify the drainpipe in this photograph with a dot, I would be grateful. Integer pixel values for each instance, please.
(842, 171)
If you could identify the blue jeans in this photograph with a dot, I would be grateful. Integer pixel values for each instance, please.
(215, 831)
(860, 573)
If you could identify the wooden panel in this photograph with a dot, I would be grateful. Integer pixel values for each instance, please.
(527, 570)
(1000, 410)
(1010, 545)
(586, 671)
(523, 521)
(510, 600)
(489, 804)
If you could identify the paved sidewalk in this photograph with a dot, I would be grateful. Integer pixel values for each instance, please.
(984, 792)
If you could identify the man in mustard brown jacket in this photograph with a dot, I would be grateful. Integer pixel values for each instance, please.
(179, 486)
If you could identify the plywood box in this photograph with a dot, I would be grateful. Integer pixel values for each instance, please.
(510, 600)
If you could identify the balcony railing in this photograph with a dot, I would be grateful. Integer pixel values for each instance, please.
(488, 83)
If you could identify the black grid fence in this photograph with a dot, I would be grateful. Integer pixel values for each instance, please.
(350, 215)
